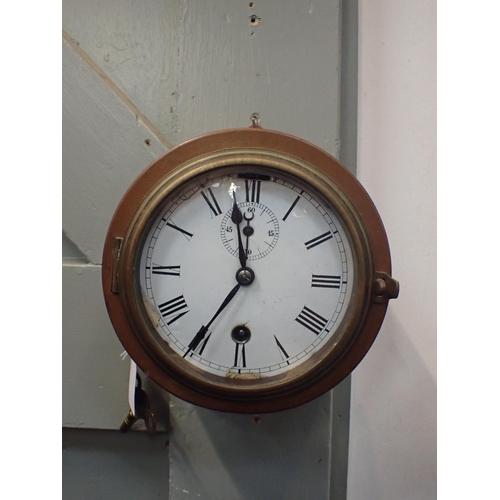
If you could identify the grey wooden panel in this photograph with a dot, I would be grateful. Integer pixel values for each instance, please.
(195, 67)
(114, 466)
(71, 253)
(349, 85)
(95, 379)
(274, 456)
(104, 149)
(94, 376)
(288, 71)
(339, 439)
(135, 44)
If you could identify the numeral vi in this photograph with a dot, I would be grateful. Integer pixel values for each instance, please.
(252, 189)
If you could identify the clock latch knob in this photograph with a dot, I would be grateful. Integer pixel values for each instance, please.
(386, 287)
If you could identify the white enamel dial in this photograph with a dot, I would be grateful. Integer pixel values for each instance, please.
(294, 248)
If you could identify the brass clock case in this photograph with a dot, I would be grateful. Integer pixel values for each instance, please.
(252, 149)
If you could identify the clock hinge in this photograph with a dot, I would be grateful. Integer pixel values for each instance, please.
(115, 257)
(386, 287)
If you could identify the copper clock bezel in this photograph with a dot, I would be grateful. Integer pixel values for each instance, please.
(216, 151)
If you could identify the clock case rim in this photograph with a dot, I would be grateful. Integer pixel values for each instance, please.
(371, 253)
(246, 387)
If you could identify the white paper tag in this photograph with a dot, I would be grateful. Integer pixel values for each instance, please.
(131, 385)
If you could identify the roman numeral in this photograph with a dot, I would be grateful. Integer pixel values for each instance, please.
(292, 207)
(183, 231)
(318, 240)
(166, 270)
(169, 308)
(284, 354)
(252, 189)
(311, 320)
(239, 356)
(211, 202)
(325, 281)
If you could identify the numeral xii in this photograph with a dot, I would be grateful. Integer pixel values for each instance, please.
(252, 189)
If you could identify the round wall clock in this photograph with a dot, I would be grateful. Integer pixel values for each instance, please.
(247, 270)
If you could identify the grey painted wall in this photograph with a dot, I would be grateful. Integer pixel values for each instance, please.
(102, 464)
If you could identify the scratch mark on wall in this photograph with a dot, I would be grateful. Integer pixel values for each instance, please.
(184, 10)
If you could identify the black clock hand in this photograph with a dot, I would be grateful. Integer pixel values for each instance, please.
(248, 230)
(204, 329)
(246, 247)
(237, 218)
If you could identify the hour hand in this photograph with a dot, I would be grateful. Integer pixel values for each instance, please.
(236, 215)
(237, 218)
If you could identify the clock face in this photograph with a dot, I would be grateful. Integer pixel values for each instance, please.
(246, 273)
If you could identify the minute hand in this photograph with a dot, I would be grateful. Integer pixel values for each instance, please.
(204, 329)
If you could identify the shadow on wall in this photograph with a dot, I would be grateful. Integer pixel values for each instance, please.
(108, 464)
(269, 456)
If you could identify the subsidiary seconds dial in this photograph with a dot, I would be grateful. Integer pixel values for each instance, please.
(260, 230)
